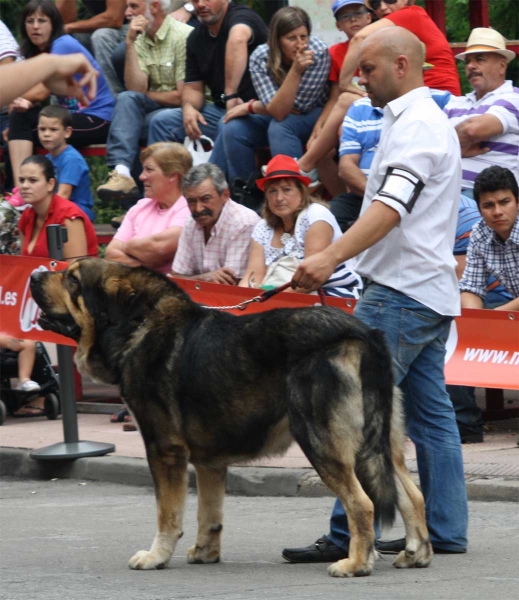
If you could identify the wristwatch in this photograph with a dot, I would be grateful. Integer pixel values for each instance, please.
(189, 7)
(225, 98)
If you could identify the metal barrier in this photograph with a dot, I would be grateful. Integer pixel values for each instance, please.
(72, 447)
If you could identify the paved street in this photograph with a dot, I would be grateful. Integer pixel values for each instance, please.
(61, 539)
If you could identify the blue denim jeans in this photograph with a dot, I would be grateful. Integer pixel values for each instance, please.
(168, 125)
(132, 115)
(416, 337)
(242, 136)
(104, 41)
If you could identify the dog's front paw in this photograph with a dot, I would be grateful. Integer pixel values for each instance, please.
(348, 568)
(146, 560)
(206, 555)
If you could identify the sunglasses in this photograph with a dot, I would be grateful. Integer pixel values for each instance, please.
(358, 14)
(375, 4)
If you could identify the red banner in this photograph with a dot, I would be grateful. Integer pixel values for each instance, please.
(482, 350)
(18, 311)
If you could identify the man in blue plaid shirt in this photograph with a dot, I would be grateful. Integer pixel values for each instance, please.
(494, 241)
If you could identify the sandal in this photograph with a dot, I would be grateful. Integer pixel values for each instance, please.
(29, 411)
(119, 417)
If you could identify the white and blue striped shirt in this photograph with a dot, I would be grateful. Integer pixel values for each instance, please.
(502, 103)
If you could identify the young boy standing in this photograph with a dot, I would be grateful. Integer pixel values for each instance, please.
(54, 128)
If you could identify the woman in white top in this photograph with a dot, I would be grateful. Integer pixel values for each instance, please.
(294, 225)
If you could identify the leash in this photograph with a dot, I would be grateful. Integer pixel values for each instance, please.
(263, 297)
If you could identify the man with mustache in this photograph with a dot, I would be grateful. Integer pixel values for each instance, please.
(486, 118)
(214, 245)
(154, 73)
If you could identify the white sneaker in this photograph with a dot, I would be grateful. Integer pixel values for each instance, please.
(314, 176)
(28, 386)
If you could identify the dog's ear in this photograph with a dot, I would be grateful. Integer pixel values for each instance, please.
(123, 301)
(96, 303)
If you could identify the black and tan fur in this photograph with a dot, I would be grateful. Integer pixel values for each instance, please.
(212, 389)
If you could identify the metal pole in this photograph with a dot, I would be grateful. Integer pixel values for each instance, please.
(72, 447)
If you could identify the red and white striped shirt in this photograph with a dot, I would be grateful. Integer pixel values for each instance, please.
(228, 245)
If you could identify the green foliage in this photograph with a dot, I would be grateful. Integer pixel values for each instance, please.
(10, 13)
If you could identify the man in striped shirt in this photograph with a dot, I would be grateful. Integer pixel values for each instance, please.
(214, 245)
(486, 119)
(360, 135)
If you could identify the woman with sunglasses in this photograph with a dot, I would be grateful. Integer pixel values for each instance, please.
(41, 31)
(403, 13)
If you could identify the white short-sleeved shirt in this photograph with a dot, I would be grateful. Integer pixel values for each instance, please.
(502, 103)
(416, 257)
(263, 233)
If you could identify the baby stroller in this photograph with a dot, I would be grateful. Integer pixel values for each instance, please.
(43, 373)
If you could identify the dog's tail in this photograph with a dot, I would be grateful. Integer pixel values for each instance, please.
(382, 411)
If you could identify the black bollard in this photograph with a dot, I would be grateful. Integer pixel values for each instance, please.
(72, 447)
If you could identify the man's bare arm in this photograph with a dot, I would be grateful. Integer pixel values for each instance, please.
(134, 78)
(236, 58)
(171, 98)
(370, 228)
(350, 173)
(112, 17)
(478, 129)
(223, 275)
(470, 300)
(512, 305)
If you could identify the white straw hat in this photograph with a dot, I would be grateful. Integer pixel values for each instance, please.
(484, 39)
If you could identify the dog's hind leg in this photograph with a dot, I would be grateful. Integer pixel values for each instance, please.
(211, 493)
(418, 549)
(410, 502)
(169, 471)
(359, 508)
(331, 442)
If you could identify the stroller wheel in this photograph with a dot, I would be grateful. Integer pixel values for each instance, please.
(3, 412)
(51, 406)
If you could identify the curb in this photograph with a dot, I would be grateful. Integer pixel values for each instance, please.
(241, 481)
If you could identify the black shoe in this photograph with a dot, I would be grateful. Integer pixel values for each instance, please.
(396, 546)
(471, 434)
(321, 551)
(471, 438)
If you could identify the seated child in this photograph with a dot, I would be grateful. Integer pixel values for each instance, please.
(54, 128)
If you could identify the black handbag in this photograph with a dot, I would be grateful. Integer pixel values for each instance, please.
(246, 192)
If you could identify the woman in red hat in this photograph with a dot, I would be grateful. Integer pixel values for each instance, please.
(294, 225)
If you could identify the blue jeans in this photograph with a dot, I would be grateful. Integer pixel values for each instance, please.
(132, 115)
(104, 42)
(416, 337)
(168, 125)
(244, 135)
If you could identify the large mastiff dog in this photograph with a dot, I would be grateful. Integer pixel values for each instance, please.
(212, 389)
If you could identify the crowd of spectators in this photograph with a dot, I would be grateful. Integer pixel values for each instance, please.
(175, 70)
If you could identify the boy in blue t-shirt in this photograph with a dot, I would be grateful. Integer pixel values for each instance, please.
(54, 128)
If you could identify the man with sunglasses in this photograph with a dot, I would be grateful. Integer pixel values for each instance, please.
(403, 13)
